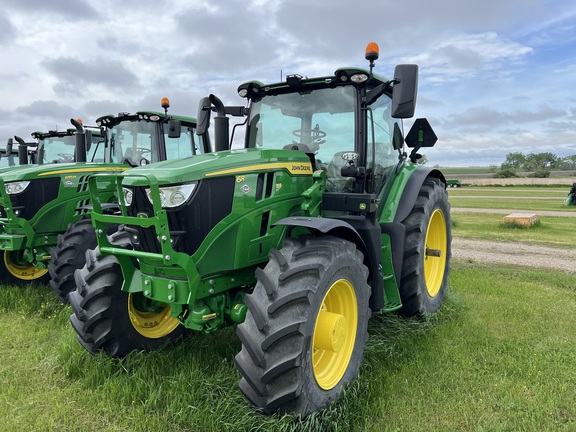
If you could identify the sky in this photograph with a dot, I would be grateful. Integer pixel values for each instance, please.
(495, 76)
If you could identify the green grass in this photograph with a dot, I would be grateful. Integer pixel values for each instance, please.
(552, 204)
(549, 231)
(499, 356)
(509, 191)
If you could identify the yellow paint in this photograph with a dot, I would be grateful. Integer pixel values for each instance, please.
(152, 325)
(436, 240)
(334, 334)
(294, 168)
(83, 170)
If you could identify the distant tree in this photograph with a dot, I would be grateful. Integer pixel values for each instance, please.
(515, 160)
(569, 162)
(540, 173)
(492, 168)
(538, 161)
(506, 172)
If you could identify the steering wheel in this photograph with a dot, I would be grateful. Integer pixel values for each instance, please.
(66, 156)
(316, 134)
(140, 150)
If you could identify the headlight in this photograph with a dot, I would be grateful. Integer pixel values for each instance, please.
(128, 196)
(17, 187)
(173, 196)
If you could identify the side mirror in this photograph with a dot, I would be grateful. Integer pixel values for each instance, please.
(9, 145)
(397, 138)
(174, 128)
(88, 138)
(203, 117)
(404, 91)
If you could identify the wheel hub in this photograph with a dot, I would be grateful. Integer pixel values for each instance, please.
(332, 331)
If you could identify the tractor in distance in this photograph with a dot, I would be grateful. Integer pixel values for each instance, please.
(321, 221)
(44, 209)
(571, 197)
(12, 156)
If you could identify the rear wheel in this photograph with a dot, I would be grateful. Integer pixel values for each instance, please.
(109, 319)
(69, 255)
(427, 251)
(304, 336)
(15, 271)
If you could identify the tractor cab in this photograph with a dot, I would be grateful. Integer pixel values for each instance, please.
(148, 136)
(60, 146)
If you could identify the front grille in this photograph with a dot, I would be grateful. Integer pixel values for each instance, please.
(191, 223)
(38, 193)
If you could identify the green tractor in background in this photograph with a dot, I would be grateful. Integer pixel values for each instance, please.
(321, 221)
(571, 197)
(23, 154)
(44, 209)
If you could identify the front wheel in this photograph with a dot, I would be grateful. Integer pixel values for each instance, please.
(109, 319)
(69, 254)
(427, 251)
(304, 335)
(15, 271)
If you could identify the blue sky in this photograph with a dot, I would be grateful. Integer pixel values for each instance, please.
(495, 77)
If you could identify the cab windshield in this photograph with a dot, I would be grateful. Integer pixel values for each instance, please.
(138, 142)
(57, 149)
(322, 120)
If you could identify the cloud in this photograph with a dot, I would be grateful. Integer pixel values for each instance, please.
(74, 75)
(77, 9)
(8, 31)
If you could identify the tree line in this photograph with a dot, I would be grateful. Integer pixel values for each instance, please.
(538, 164)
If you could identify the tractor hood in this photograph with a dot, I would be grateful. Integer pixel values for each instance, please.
(221, 164)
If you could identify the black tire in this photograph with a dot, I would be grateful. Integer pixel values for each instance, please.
(428, 233)
(69, 254)
(284, 364)
(14, 271)
(106, 318)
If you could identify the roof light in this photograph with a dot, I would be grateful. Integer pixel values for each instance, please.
(372, 52)
(243, 92)
(80, 121)
(358, 78)
(165, 103)
(154, 118)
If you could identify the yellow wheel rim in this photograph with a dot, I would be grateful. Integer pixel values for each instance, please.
(23, 272)
(334, 334)
(152, 325)
(435, 253)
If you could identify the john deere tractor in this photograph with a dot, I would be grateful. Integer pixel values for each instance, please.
(321, 221)
(23, 154)
(571, 197)
(44, 221)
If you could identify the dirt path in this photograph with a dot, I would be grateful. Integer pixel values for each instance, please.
(508, 211)
(520, 254)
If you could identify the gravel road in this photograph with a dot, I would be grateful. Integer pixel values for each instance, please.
(520, 254)
(508, 211)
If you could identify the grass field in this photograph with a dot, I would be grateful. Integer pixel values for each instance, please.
(499, 356)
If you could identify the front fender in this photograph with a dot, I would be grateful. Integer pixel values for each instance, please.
(412, 189)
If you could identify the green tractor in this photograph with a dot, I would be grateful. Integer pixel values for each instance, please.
(11, 156)
(44, 209)
(571, 197)
(321, 221)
